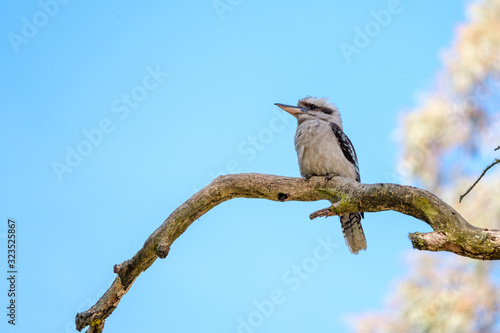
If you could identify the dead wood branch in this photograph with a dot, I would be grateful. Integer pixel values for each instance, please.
(451, 232)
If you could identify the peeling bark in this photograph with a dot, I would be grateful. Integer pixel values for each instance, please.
(451, 233)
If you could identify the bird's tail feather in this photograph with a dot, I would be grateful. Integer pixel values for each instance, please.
(353, 232)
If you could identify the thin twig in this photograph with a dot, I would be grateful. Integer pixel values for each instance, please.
(496, 161)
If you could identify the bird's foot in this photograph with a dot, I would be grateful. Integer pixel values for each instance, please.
(307, 177)
(329, 176)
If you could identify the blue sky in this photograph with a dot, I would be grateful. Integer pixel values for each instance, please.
(158, 98)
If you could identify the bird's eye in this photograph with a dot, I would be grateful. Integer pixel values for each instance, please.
(312, 107)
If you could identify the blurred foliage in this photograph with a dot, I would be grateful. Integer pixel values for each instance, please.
(446, 142)
(439, 295)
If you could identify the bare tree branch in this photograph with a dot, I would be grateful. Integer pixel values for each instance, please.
(451, 232)
(496, 161)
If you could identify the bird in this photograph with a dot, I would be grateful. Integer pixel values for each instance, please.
(323, 149)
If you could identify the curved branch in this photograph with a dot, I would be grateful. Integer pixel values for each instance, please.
(451, 232)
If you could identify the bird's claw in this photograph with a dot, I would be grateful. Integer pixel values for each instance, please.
(329, 176)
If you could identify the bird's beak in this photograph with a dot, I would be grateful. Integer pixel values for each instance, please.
(293, 110)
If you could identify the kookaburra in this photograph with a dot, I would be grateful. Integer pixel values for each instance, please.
(323, 149)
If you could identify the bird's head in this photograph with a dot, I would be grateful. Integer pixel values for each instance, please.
(313, 108)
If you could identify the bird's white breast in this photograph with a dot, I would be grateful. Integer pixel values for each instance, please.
(319, 152)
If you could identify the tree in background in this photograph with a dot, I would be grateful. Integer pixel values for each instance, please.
(446, 142)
